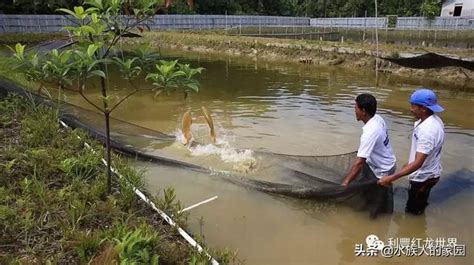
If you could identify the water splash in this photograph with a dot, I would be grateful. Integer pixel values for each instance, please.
(241, 160)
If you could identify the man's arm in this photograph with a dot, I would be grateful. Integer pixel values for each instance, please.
(366, 146)
(407, 169)
(355, 170)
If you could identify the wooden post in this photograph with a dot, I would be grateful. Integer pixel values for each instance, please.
(377, 45)
(365, 25)
(240, 27)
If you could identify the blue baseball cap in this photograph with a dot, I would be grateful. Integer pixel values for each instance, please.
(426, 98)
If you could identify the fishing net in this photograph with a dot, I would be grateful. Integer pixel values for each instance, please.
(306, 177)
(431, 60)
(47, 46)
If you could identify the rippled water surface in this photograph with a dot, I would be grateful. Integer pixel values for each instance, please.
(303, 110)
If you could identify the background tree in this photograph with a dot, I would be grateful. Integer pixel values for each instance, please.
(309, 8)
(218, 7)
(431, 8)
(35, 6)
(181, 7)
(99, 27)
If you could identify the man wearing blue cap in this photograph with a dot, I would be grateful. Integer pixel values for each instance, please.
(424, 165)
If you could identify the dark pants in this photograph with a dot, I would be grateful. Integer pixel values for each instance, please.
(418, 195)
(379, 199)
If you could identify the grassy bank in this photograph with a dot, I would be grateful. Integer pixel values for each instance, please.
(54, 208)
(349, 55)
(441, 38)
(219, 38)
(29, 38)
(7, 70)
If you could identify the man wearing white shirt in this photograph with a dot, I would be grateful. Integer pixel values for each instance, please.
(424, 165)
(375, 155)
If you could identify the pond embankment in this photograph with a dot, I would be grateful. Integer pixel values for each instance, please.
(357, 56)
(54, 204)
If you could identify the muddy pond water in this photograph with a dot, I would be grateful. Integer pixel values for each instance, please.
(303, 110)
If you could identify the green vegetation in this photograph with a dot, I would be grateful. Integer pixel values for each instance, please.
(35, 6)
(430, 8)
(58, 203)
(309, 8)
(98, 30)
(28, 38)
(349, 54)
(54, 205)
(8, 71)
(288, 49)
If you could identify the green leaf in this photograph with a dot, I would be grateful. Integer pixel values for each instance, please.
(67, 11)
(151, 76)
(64, 57)
(20, 48)
(92, 49)
(92, 10)
(95, 3)
(54, 53)
(79, 11)
(136, 11)
(95, 18)
(88, 29)
(98, 73)
(19, 51)
(105, 99)
(176, 74)
(70, 28)
(193, 86)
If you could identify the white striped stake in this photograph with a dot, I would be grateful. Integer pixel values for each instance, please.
(163, 215)
(197, 204)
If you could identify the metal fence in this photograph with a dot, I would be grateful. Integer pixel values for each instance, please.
(222, 21)
(352, 22)
(437, 23)
(55, 23)
(33, 23)
(399, 23)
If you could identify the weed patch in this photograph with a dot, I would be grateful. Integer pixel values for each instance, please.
(54, 205)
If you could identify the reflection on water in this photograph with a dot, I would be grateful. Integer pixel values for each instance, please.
(306, 110)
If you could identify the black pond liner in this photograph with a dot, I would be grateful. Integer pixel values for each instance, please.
(319, 176)
(431, 60)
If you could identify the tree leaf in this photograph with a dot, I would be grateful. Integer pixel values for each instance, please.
(79, 11)
(92, 49)
(95, 3)
(97, 73)
(88, 29)
(67, 11)
(94, 17)
(193, 86)
(105, 99)
(19, 51)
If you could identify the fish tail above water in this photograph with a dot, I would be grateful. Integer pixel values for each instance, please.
(186, 127)
(210, 122)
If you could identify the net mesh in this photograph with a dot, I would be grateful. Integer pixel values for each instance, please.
(306, 177)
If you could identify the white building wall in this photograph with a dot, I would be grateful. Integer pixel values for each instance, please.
(467, 8)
